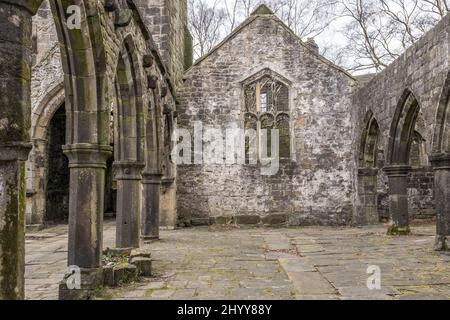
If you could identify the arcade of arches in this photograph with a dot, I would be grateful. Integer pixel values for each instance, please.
(87, 116)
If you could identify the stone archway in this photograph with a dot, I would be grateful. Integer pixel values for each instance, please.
(37, 163)
(440, 161)
(57, 180)
(367, 197)
(88, 84)
(129, 153)
(399, 149)
(87, 140)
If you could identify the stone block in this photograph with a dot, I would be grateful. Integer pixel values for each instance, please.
(247, 219)
(143, 265)
(222, 220)
(275, 219)
(140, 253)
(195, 222)
(108, 276)
(124, 273)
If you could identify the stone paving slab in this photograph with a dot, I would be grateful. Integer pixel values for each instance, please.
(295, 263)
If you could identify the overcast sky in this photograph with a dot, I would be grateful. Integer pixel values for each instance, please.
(330, 36)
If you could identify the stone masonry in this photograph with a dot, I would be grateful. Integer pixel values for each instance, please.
(88, 115)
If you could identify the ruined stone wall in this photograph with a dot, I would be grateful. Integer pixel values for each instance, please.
(167, 22)
(422, 69)
(47, 95)
(47, 90)
(316, 185)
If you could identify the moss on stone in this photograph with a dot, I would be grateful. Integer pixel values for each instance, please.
(398, 231)
(12, 239)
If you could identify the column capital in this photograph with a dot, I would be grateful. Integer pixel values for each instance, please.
(15, 151)
(31, 6)
(128, 170)
(167, 181)
(440, 161)
(152, 178)
(397, 170)
(367, 172)
(86, 155)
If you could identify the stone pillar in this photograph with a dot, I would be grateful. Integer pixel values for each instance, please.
(12, 220)
(15, 111)
(37, 193)
(367, 205)
(87, 163)
(441, 167)
(398, 199)
(151, 206)
(168, 208)
(129, 177)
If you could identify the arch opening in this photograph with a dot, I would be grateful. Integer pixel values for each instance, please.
(58, 174)
(367, 186)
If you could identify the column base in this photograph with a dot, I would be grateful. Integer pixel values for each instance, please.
(442, 243)
(150, 238)
(83, 286)
(394, 230)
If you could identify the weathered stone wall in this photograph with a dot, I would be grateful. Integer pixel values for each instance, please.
(420, 193)
(46, 97)
(316, 185)
(168, 24)
(422, 69)
(47, 91)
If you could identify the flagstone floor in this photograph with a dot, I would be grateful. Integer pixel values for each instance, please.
(242, 263)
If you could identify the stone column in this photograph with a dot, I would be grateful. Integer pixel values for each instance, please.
(441, 167)
(39, 160)
(12, 219)
(129, 177)
(151, 206)
(398, 199)
(367, 206)
(87, 163)
(15, 111)
(168, 208)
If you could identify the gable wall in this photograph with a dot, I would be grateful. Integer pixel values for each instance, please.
(317, 186)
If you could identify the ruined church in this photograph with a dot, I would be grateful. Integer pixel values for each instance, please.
(88, 115)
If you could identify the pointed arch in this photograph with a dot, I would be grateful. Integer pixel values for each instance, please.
(84, 64)
(370, 136)
(45, 111)
(441, 139)
(402, 129)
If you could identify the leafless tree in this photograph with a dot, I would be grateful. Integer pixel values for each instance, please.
(205, 22)
(375, 31)
(378, 31)
(232, 13)
(306, 18)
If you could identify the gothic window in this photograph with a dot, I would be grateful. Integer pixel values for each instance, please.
(283, 128)
(267, 107)
(263, 102)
